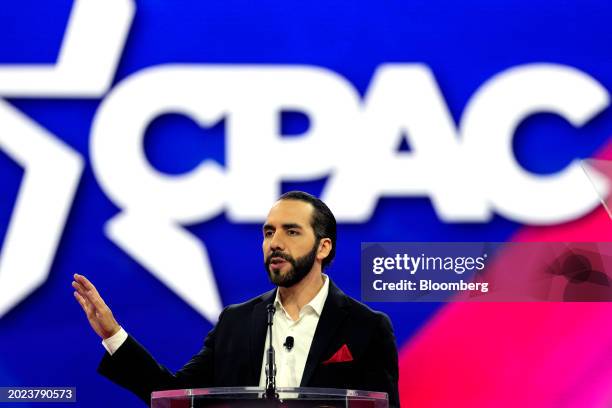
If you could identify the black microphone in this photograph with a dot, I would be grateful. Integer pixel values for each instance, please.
(270, 363)
(288, 343)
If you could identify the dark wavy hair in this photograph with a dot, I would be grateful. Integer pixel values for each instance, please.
(323, 221)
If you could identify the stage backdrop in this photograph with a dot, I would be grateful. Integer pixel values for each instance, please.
(142, 143)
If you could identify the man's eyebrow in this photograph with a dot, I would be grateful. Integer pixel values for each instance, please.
(292, 226)
(287, 226)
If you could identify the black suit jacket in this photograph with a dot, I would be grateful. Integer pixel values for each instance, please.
(233, 352)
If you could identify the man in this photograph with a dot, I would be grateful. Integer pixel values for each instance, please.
(337, 341)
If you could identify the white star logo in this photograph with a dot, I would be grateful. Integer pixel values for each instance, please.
(89, 55)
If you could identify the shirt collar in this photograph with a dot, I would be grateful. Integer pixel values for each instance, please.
(316, 303)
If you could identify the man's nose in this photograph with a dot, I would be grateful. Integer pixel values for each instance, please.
(276, 243)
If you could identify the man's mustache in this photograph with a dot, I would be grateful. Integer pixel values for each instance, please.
(279, 254)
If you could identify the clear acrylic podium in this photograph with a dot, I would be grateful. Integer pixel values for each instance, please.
(230, 397)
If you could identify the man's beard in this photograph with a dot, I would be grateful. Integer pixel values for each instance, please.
(299, 267)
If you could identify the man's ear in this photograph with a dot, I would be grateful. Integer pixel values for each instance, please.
(325, 247)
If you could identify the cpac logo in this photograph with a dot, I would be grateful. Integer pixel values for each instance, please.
(469, 171)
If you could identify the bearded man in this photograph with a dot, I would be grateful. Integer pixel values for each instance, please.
(337, 342)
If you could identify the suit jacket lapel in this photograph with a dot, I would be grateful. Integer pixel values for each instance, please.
(333, 314)
(258, 336)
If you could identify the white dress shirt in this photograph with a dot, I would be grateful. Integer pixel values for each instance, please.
(289, 363)
(115, 341)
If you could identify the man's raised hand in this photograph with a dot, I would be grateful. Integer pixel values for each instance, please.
(99, 315)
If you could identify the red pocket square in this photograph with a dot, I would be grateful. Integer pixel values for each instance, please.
(343, 355)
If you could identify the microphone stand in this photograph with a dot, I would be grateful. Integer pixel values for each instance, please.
(270, 393)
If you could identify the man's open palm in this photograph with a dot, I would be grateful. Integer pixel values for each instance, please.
(99, 315)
